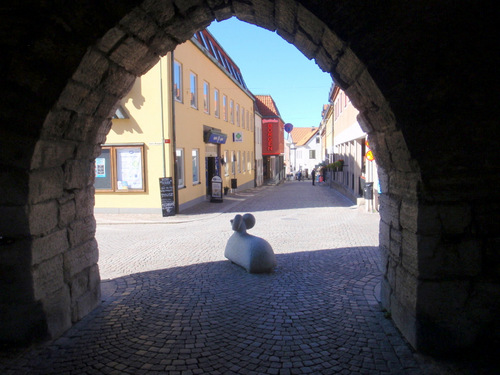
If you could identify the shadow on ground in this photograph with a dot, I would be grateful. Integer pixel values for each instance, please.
(317, 313)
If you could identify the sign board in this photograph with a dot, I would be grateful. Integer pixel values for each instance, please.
(215, 137)
(216, 189)
(238, 137)
(272, 137)
(167, 196)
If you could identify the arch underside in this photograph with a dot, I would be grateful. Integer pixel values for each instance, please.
(441, 267)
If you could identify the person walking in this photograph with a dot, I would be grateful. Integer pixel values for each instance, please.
(313, 175)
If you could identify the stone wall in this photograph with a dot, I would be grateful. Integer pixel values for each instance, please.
(410, 72)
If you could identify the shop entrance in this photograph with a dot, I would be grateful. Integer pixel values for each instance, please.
(211, 165)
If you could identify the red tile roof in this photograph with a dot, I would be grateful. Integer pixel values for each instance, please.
(301, 136)
(267, 106)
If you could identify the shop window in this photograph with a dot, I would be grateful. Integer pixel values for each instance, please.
(233, 163)
(226, 161)
(179, 161)
(177, 81)
(120, 168)
(194, 90)
(196, 166)
(206, 97)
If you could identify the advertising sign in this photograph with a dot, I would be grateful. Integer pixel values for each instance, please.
(238, 137)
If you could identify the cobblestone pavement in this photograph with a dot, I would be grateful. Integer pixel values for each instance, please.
(172, 304)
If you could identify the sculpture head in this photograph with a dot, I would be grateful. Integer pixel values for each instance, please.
(242, 223)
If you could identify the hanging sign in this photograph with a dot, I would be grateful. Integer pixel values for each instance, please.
(215, 137)
(369, 153)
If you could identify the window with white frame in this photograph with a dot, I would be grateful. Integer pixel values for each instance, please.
(179, 161)
(224, 107)
(243, 162)
(243, 117)
(233, 163)
(231, 111)
(239, 161)
(206, 97)
(226, 165)
(194, 90)
(312, 154)
(237, 114)
(196, 165)
(177, 81)
(216, 103)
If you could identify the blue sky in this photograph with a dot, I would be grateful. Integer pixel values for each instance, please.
(272, 66)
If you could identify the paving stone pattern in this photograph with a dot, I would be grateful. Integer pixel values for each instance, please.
(172, 304)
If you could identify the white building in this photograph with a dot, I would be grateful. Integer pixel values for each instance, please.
(305, 150)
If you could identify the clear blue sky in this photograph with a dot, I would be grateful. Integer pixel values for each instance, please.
(272, 66)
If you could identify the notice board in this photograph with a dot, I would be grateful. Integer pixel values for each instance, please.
(167, 196)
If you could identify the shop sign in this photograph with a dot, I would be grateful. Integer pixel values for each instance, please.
(238, 137)
(215, 137)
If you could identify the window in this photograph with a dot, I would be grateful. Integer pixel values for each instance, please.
(312, 154)
(231, 111)
(206, 97)
(237, 115)
(120, 169)
(196, 165)
(317, 139)
(226, 160)
(243, 162)
(233, 163)
(179, 161)
(243, 117)
(249, 161)
(216, 103)
(177, 81)
(224, 107)
(194, 90)
(239, 161)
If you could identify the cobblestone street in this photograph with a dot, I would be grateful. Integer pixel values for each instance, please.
(172, 304)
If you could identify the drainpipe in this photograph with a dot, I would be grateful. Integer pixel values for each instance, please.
(172, 134)
(162, 122)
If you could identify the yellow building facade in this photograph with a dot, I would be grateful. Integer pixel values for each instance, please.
(189, 118)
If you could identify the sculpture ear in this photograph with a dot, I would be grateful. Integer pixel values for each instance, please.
(236, 222)
(249, 220)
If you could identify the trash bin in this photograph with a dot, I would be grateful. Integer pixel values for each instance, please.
(368, 190)
(234, 183)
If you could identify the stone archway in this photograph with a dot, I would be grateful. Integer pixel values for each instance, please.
(435, 284)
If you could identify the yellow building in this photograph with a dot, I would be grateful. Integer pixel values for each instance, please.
(189, 118)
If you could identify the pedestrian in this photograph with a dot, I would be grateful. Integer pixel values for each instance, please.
(299, 175)
(313, 175)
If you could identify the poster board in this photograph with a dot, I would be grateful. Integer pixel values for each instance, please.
(167, 196)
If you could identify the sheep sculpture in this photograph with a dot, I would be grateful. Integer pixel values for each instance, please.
(250, 252)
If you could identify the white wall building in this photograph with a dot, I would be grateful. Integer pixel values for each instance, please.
(305, 150)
